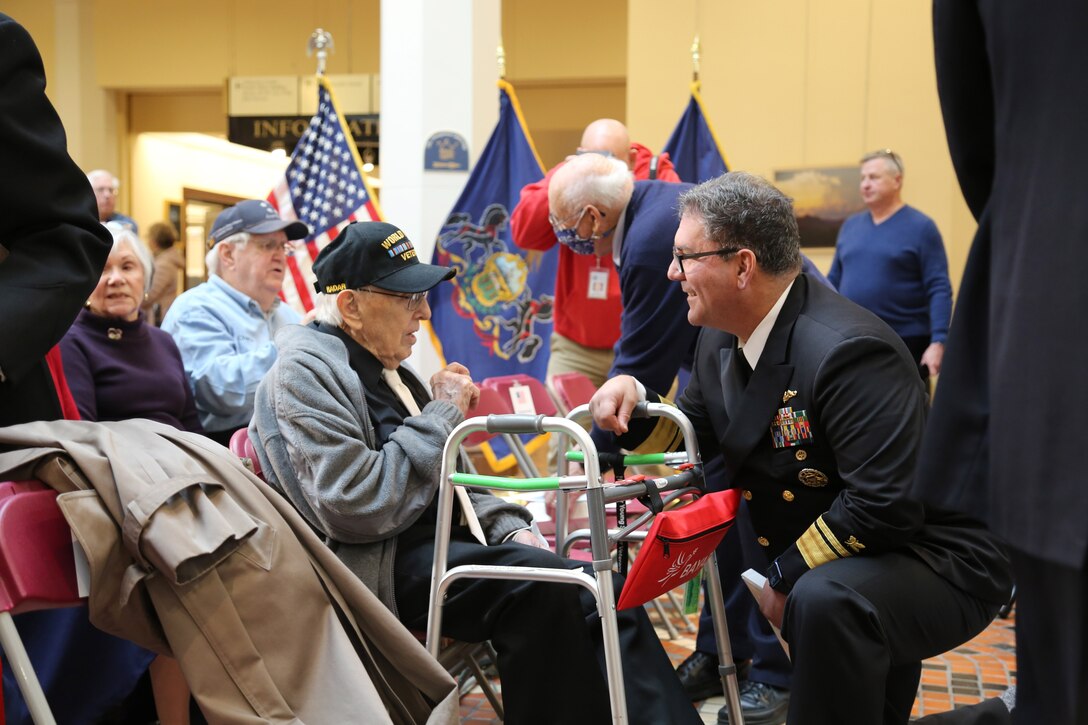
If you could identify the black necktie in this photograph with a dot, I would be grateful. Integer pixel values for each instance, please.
(744, 370)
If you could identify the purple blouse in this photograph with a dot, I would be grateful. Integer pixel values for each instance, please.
(119, 370)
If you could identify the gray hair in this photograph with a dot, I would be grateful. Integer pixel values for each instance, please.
(740, 209)
(326, 311)
(892, 160)
(590, 179)
(211, 259)
(123, 235)
(114, 181)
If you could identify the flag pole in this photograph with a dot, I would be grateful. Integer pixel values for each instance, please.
(500, 57)
(320, 43)
(695, 60)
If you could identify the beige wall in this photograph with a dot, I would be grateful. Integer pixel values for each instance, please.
(199, 43)
(567, 60)
(798, 83)
(787, 84)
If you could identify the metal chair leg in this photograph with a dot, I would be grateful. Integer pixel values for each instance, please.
(669, 626)
(678, 606)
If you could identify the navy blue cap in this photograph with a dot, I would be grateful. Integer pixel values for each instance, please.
(255, 217)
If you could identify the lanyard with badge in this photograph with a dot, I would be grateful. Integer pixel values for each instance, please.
(598, 282)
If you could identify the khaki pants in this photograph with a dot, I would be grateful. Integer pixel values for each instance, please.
(567, 356)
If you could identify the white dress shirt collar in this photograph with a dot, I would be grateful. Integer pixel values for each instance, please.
(753, 346)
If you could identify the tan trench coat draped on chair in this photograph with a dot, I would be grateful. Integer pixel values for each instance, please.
(192, 555)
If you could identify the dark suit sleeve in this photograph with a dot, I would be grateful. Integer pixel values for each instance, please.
(655, 335)
(53, 247)
(656, 435)
(965, 86)
(871, 413)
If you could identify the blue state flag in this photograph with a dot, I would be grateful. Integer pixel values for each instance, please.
(496, 316)
(693, 147)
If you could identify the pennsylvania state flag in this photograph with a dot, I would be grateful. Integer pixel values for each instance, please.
(496, 315)
(693, 147)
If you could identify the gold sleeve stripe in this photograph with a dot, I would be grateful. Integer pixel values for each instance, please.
(819, 546)
(665, 436)
(831, 539)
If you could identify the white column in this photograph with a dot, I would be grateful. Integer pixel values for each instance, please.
(438, 73)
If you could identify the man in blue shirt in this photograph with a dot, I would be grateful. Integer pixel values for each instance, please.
(891, 261)
(224, 327)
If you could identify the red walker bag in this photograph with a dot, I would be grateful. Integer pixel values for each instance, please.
(677, 546)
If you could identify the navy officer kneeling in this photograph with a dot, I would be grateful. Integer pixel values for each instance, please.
(354, 439)
(818, 411)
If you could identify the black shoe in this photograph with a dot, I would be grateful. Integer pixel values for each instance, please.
(760, 703)
(699, 675)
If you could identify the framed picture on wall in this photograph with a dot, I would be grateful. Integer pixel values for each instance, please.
(173, 213)
(823, 197)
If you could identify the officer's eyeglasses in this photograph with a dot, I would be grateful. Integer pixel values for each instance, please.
(680, 256)
(414, 300)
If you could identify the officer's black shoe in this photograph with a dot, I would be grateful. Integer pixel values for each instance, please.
(699, 675)
(760, 703)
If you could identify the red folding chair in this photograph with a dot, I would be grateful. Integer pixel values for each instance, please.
(490, 403)
(571, 390)
(542, 401)
(37, 571)
(242, 446)
(542, 405)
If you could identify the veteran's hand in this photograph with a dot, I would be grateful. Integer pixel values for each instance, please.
(453, 384)
(613, 402)
(527, 537)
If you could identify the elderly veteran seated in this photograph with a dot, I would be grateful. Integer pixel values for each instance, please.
(354, 439)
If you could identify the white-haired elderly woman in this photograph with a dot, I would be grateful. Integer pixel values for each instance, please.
(119, 367)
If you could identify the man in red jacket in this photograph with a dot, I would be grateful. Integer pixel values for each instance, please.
(587, 289)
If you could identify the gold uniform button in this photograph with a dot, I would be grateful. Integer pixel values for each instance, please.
(788, 495)
(801, 454)
(747, 495)
(763, 541)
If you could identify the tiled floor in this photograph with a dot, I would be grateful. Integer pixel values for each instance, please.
(981, 668)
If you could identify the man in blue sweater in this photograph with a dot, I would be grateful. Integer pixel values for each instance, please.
(891, 261)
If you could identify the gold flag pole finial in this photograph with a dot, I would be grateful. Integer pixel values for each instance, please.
(320, 43)
(500, 56)
(695, 59)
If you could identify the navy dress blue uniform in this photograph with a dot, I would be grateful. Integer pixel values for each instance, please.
(822, 437)
(656, 344)
(1003, 442)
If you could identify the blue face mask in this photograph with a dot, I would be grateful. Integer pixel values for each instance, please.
(568, 235)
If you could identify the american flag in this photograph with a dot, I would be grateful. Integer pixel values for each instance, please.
(325, 187)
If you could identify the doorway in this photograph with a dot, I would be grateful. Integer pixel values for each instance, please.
(198, 211)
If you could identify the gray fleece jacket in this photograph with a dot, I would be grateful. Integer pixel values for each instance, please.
(316, 444)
